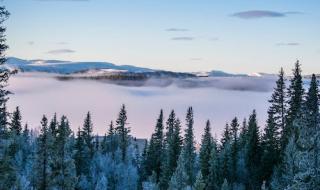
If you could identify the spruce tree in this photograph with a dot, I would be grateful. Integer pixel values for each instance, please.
(172, 148)
(64, 171)
(4, 74)
(87, 133)
(278, 102)
(253, 152)
(270, 146)
(213, 179)
(205, 153)
(295, 95)
(81, 156)
(154, 154)
(189, 153)
(54, 125)
(225, 154)
(15, 125)
(44, 158)
(234, 128)
(112, 141)
(122, 132)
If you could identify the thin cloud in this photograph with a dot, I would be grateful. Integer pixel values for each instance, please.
(177, 30)
(183, 38)
(61, 51)
(255, 14)
(288, 44)
(30, 43)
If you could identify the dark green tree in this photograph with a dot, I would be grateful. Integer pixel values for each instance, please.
(205, 153)
(189, 150)
(172, 149)
(44, 158)
(253, 152)
(155, 149)
(295, 95)
(122, 132)
(270, 147)
(87, 133)
(234, 129)
(15, 125)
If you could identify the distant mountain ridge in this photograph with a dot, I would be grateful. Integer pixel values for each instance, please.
(67, 67)
(90, 68)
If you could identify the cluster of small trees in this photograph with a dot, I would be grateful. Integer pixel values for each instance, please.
(285, 155)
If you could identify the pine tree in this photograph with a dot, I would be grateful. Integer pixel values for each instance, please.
(295, 93)
(112, 145)
(180, 178)
(213, 179)
(64, 171)
(81, 157)
(234, 128)
(54, 125)
(189, 153)
(172, 149)
(4, 74)
(143, 166)
(205, 153)
(44, 159)
(270, 146)
(225, 154)
(15, 126)
(154, 154)
(87, 133)
(122, 132)
(278, 102)
(254, 152)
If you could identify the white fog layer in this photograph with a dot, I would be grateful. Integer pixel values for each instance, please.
(39, 94)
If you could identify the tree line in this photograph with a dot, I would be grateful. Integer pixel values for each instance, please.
(283, 155)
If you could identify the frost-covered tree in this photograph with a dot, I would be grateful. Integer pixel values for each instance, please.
(253, 157)
(155, 149)
(179, 179)
(205, 153)
(172, 149)
(15, 125)
(87, 134)
(234, 129)
(225, 154)
(63, 170)
(295, 98)
(44, 158)
(122, 132)
(189, 149)
(306, 133)
(213, 178)
(278, 103)
(270, 146)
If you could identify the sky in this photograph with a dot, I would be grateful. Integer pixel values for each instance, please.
(239, 36)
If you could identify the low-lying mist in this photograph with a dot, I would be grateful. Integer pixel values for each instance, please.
(217, 99)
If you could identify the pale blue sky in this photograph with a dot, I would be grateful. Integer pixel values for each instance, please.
(241, 36)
